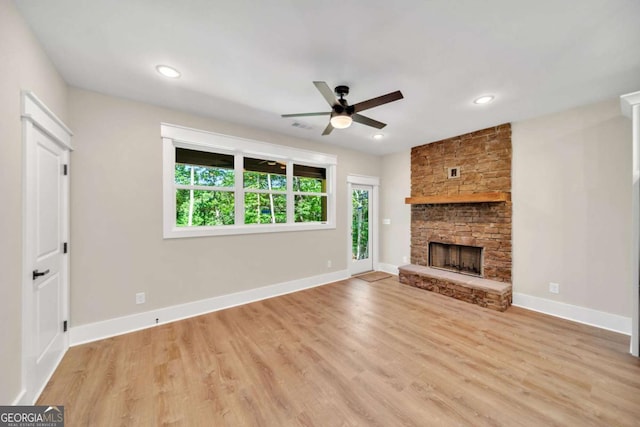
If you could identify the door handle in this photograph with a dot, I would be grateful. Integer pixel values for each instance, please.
(37, 273)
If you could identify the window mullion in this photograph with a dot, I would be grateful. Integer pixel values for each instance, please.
(202, 187)
(260, 191)
(239, 189)
(309, 193)
(290, 197)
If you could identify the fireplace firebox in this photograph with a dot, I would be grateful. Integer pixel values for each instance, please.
(456, 258)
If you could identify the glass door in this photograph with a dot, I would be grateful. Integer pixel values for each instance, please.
(361, 259)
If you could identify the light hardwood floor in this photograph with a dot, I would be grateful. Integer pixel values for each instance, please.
(354, 353)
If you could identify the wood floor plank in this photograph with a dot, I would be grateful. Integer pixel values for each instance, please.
(353, 353)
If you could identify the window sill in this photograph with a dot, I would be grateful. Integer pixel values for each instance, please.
(229, 230)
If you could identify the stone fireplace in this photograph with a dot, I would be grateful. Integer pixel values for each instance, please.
(461, 217)
(457, 258)
(484, 225)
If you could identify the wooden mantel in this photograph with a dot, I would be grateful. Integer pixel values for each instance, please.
(494, 196)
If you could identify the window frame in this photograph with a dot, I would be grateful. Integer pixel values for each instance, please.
(174, 136)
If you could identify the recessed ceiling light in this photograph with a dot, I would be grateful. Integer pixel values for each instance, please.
(167, 71)
(485, 99)
(378, 135)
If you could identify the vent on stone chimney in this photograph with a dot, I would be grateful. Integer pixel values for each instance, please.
(453, 172)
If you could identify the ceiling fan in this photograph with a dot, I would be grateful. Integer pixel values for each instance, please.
(342, 114)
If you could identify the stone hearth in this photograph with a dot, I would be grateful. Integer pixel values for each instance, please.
(475, 290)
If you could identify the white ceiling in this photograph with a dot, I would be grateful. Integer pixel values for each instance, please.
(248, 61)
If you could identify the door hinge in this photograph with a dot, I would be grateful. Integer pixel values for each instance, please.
(64, 326)
(64, 248)
(65, 169)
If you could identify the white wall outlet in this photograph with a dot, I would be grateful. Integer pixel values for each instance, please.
(405, 259)
(554, 288)
(386, 221)
(328, 263)
(141, 298)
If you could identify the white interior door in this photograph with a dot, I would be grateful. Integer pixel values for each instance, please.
(45, 293)
(361, 228)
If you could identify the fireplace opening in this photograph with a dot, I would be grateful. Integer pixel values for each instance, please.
(457, 258)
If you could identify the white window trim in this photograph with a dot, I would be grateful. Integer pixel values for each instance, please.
(179, 136)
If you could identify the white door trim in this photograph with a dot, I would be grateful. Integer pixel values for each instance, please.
(373, 181)
(37, 117)
(36, 112)
(630, 104)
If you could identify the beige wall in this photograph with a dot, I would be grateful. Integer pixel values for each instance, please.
(395, 185)
(116, 214)
(572, 207)
(24, 66)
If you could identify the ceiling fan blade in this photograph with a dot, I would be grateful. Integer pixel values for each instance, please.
(306, 114)
(364, 120)
(328, 129)
(374, 102)
(326, 92)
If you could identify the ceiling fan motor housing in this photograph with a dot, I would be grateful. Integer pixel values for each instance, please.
(343, 108)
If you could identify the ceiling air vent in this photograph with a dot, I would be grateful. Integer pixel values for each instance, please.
(301, 125)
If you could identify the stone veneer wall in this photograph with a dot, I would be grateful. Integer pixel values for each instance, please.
(484, 159)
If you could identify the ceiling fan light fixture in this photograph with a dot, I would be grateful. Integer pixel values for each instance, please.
(341, 121)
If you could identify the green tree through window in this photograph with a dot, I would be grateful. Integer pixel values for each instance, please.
(310, 187)
(204, 196)
(360, 224)
(265, 185)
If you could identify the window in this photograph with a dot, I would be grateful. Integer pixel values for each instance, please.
(265, 191)
(205, 187)
(310, 191)
(217, 184)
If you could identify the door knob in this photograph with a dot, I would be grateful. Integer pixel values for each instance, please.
(37, 273)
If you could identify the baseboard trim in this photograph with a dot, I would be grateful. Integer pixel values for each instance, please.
(587, 316)
(388, 268)
(121, 325)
